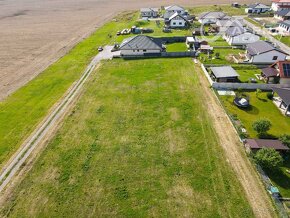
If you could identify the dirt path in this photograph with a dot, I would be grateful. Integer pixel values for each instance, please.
(254, 189)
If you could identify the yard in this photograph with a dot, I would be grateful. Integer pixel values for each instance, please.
(247, 72)
(138, 143)
(261, 107)
(176, 47)
(224, 56)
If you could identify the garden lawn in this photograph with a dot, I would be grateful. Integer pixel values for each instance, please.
(224, 54)
(176, 47)
(139, 143)
(22, 111)
(246, 72)
(261, 107)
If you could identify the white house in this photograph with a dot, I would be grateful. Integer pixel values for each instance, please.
(140, 45)
(172, 9)
(257, 8)
(177, 21)
(280, 5)
(240, 36)
(212, 17)
(284, 27)
(149, 12)
(262, 52)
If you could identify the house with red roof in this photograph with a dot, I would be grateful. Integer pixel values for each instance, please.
(278, 5)
(278, 72)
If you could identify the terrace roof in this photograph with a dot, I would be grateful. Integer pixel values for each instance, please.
(266, 143)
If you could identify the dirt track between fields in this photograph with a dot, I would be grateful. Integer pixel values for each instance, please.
(228, 138)
(34, 34)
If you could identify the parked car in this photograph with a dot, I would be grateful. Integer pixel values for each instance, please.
(100, 49)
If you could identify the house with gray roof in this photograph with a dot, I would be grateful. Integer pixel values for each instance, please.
(172, 9)
(140, 45)
(257, 8)
(240, 36)
(284, 26)
(283, 99)
(262, 52)
(282, 14)
(212, 17)
(224, 74)
(177, 21)
(149, 12)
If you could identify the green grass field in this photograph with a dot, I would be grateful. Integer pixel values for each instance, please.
(176, 47)
(261, 107)
(138, 143)
(228, 9)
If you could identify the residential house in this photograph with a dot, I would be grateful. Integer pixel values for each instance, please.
(224, 74)
(257, 8)
(283, 14)
(280, 5)
(172, 9)
(262, 52)
(278, 72)
(149, 12)
(141, 45)
(240, 36)
(177, 21)
(212, 17)
(257, 144)
(223, 25)
(284, 27)
(283, 101)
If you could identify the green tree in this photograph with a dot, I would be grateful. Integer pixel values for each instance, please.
(285, 139)
(262, 126)
(269, 158)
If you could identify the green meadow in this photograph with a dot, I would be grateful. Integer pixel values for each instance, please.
(138, 143)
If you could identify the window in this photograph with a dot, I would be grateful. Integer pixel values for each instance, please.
(133, 50)
(275, 58)
(144, 50)
(180, 23)
(138, 50)
(174, 23)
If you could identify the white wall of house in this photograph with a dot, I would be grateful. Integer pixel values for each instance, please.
(243, 39)
(177, 22)
(268, 57)
(138, 52)
(256, 10)
(284, 27)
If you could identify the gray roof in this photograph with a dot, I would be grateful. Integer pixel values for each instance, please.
(230, 22)
(283, 13)
(141, 42)
(235, 31)
(258, 5)
(260, 47)
(223, 72)
(286, 22)
(212, 14)
(149, 9)
(177, 15)
(284, 93)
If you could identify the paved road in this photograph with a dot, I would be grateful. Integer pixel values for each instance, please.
(265, 32)
(48, 124)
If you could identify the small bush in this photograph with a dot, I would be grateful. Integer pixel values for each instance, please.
(270, 95)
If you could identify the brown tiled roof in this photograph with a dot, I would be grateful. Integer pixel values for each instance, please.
(266, 143)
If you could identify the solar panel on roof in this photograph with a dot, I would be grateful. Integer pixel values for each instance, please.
(286, 69)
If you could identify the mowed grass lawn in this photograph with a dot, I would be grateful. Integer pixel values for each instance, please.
(21, 112)
(138, 143)
(261, 107)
